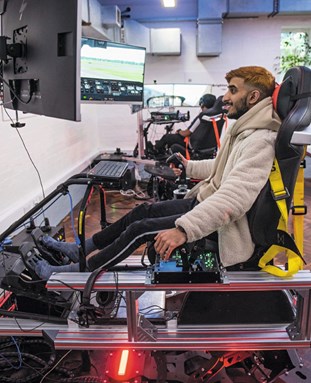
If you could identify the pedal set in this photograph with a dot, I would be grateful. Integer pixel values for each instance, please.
(30, 256)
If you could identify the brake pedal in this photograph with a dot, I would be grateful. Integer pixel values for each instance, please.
(30, 257)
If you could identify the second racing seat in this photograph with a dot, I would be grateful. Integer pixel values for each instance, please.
(205, 140)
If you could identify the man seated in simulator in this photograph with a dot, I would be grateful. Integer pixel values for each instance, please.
(167, 140)
(217, 206)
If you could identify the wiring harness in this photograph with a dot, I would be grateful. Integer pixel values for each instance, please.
(33, 360)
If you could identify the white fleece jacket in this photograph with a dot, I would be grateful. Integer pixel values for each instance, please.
(245, 162)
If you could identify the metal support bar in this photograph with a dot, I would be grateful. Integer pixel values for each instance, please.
(78, 179)
(132, 315)
(212, 337)
(302, 323)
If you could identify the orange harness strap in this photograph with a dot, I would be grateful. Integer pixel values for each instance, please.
(186, 141)
(216, 132)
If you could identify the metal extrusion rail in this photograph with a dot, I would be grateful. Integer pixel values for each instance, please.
(139, 333)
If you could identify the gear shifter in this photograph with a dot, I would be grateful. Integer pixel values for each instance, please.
(182, 189)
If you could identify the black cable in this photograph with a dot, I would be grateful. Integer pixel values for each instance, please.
(66, 284)
(38, 373)
(43, 365)
(6, 112)
(37, 317)
(86, 307)
(29, 156)
(86, 296)
(95, 368)
(13, 92)
(31, 160)
(44, 368)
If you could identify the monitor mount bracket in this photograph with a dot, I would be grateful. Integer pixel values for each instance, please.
(11, 50)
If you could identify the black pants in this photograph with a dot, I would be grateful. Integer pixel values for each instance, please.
(168, 140)
(120, 239)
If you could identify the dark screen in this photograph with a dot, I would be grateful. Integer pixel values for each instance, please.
(46, 79)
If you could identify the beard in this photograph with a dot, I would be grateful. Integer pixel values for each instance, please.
(240, 109)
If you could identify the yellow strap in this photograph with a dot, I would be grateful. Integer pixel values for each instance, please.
(280, 193)
(299, 209)
(294, 261)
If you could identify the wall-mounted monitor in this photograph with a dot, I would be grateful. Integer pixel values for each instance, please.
(40, 54)
(112, 72)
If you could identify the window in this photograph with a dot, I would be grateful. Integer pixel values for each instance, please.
(295, 49)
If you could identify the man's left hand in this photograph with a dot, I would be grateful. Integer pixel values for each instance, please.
(167, 241)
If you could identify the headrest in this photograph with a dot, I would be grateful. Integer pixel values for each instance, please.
(296, 85)
(216, 109)
(293, 105)
(207, 100)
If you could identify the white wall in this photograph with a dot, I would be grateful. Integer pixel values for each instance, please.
(61, 148)
(244, 42)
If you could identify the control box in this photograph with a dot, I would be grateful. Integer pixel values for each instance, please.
(180, 268)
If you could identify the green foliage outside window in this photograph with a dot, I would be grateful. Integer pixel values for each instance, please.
(295, 51)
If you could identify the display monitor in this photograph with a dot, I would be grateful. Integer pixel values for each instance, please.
(112, 72)
(40, 54)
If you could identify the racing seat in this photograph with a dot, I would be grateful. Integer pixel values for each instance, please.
(205, 140)
(292, 100)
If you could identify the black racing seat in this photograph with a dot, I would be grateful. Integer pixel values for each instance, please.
(292, 100)
(204, 140)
